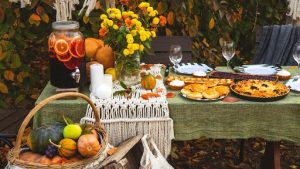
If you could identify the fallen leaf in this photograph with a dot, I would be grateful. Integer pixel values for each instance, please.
(112, 151)
(3, 88)
(9, 75)
(230, 99)
(211, 24)
(170, 95)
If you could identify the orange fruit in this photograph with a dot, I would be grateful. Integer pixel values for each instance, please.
(77, 47)
(91, 46)
(61, 47)
(64, 58)
(105, 56)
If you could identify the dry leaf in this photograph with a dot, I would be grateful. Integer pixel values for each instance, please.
(168, 32)
(170, 18)
(34, 19)
(160, 7)
(9, 75)
(86, 19)
(3, 88)
(211, 24)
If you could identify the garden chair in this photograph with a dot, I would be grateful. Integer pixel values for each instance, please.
(161, 48)
(275, 45)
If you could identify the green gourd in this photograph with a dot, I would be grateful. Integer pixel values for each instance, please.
(38, 139)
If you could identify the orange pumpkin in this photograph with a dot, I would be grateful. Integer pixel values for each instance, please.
(105, 56)
(88, 145)
(148, 82)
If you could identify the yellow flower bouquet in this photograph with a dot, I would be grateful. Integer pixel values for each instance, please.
(130, 34)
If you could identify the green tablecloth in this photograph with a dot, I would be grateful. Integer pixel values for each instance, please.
(273, 121)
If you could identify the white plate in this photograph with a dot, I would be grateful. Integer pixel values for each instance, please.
(262, 69)
(203, 99)
(190, 68)
(293, 84)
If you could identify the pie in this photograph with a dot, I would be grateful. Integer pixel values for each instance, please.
(260, 88)
(203, 91)
(198, 80)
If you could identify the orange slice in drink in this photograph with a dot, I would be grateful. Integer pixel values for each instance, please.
(64, 58)
(77, 48)
(61, 47)
(73, 63)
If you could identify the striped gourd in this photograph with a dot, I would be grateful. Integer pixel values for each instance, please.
(148, 82)
(66, 147)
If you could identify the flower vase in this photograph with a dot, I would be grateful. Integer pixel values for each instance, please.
(128, 68)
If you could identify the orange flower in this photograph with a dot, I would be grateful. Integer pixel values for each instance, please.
(124, 2)
(102, 32)
(162, 20)
(128, 22)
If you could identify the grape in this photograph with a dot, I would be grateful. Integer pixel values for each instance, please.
(51, 151)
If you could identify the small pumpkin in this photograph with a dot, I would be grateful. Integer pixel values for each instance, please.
(38, 139)
(88, 145)
(148, 82)
(66, 147)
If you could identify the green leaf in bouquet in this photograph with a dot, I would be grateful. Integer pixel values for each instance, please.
(120, 93)
(123, 85)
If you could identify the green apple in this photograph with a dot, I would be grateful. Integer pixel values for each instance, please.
(72, 131)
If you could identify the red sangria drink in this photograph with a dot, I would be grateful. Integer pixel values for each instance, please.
(66, 54)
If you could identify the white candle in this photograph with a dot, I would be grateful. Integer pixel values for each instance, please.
(96, 76)
(107, 80)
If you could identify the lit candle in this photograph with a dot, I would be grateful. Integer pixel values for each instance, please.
(96, 76)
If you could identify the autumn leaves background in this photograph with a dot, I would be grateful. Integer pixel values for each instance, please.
(24, 34)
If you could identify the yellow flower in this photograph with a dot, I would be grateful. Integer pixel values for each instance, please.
(141, 47)
(155, 20)
(153, 13)
(110, 23)
(134, 16)
(112, 15)
(108, 10)
(103, 25)
(134, 21)
(129, 36)
(125, 14)
(135, 46)
(143, 37)
(142, 5)
(138, 24)
(153, 34)
(131, 51)
(103, 16)
(115, 27)
(118, 16)
(133, 32)
(148, 34)
(147, 4)
(126, 52)
(130, 46)
(130, 40)
(130, 13)
(149, 9)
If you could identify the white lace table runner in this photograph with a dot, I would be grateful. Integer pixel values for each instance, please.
(124, 118)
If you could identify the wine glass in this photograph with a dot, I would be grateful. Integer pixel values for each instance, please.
(296, 55)
(228, 51)
(175, 54)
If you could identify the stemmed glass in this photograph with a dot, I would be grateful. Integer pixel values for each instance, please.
(228, 51)
(296, 55)
(175, 54)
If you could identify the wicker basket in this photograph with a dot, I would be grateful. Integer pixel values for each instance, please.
(13, 155)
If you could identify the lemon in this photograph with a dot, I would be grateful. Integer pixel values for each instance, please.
(112, 72)
(72, 131)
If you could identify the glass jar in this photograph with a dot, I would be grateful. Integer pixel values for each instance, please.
(66, 53)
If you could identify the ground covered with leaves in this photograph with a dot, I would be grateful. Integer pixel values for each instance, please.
(224, 154)
(219, 154)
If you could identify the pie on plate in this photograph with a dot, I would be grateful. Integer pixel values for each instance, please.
(262, 90)
(203, 92)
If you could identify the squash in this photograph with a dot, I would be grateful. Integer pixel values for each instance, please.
(38, 139)
(105, 56)
(148, 82)
(66, 147)
(88, 145)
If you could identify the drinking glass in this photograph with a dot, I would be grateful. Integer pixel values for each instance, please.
(175, 54)
(228, 51)
(296, 55)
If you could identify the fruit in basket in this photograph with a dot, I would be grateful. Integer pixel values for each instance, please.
(38, 139)
(148, 82)
(30, 156)
(66, 147)
(44, 160)
(105, 56)
(51, 151)
(88, 145)
(56, 160)
(72, 131)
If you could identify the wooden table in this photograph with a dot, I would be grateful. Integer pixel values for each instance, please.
(273, 121)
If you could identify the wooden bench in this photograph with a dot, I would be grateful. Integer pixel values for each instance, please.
(161, 47)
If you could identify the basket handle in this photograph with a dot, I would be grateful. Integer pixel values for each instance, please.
(42, 104)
